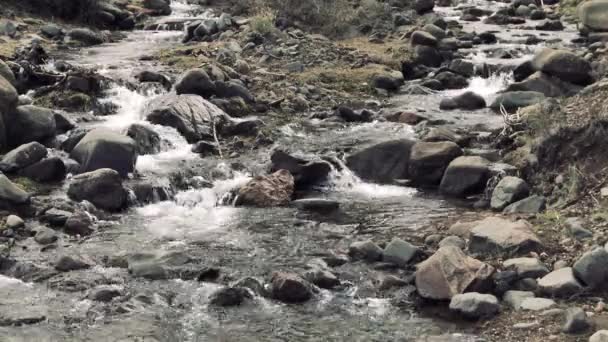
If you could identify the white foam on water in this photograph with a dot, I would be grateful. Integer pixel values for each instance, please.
(193, 212)
(131, 106)
(371, 306)
(346, 181)
(486, 87)
(9, 281)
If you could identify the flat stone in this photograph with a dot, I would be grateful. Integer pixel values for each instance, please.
(515, 298)
(365, 250)
(531, 205)
(537, 304)
(527, 267)
(560, 283)
(497, 236)
(399, 252)
(475, 305)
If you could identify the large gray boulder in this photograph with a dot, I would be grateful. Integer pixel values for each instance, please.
(102, 148)
(399, 252)
(513, 100)
(192, 116)
(560, 283)
(591, 268)
(594, 15)
(147, 141)
(475, 305)
(51, 169)
(267, 191)
(510, 189)
(496, 236)
(526, 267)
(429, 160)
(23, 156)
(29, 123)
(290, 288)
(423, 38)
(384, 162)
(549, 86)
(306, 173)
(449, 272)
(564, 65)
(465, 176)
(197, 82)
(11, 194)
(102, 187)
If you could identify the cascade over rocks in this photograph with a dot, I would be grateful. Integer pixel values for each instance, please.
(384, 162)
(102, 148)
(305, 173)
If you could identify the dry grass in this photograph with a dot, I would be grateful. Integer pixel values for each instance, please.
(389, 53)
(341, 78)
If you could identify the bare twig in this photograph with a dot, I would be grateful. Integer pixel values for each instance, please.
(217, 141)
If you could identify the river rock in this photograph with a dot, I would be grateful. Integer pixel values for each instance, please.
(197, 82)
(560, 283)
(267, 191)
(147, 141)
(530, 205)
(523, 71)
(547, 85)
(322, 278)
(424, 6)
(101, 187)
(550, 25)
(23, 156)
(591, 268)
(319, 205)
(306, 173)
(229, 296)
(576, 321)
(497, 236)
(45, 236)
(564, 65)
(290, 288)
(51, 31)
(449, 272)
(365, 250)
(427, 55)
(475, 305)
(7, 73)
(515, 298)
(435, 30)
(429, 160)
(79, 223)
(575, 227)
(537, 304)
(160, 7)
(510, 189)
(105, 293)
(85, 36)
(30, 123)
(192, 116)
(399, 252)
(599, 336)
(14, 222)
(594, 15)
(11, 194)
(390, 80)
(384, 162)
(450, 80)
(232, 89)
(514, 100)
(423, 38)
(68, 263)
(465, 176)
(51, 169)
(467, 101)
(526, 267)
(102, 148)
(453, 241)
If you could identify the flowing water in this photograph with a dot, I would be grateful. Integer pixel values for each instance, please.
(250, 241)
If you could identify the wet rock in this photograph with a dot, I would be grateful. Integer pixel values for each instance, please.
(462, 67)
(527, 267)
(509, 190)
(23, 156)
(79, 223)
(14, 222)
(436, 134)
(429, 160)
(545, 84)
(349, 115)
(514, 100)
(51, 169)
(497, 236)
(45, 236)
(537, 304)
(453, 241)
(550, 25)
(85, 36)
(384, 162)
(475, 305)
(160, 7)
(319, 205)
(267, 191)
(67, 263)
(365, 250)
(229, 296)
(468, 101)
(55, 217)
(424, 6)
(192, 116)
(576, 321)
(538, 15)
(435, 30)
(253, 284)
(515, 298)
(30, 123)
(389, 80)
(322, 278)
(7, 73)
(149, 270)
(464, 176)
(599, 336)
(450, 80)
(290, 288)
(197, 82)
(530, 205)
(147, 141)
(449, 272)
(205, 148)
(427, 55)
(233, 89)
(502, 19)
(390, 281)
(591, 269)
(102, 187)
(105, 293)
(560, 283)
(523, 71)
(399, 252)
(593, 15)
(11, 194)
(575, 227)
(423, 38)
(154, 77)
(102, 148)
(564, 65)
